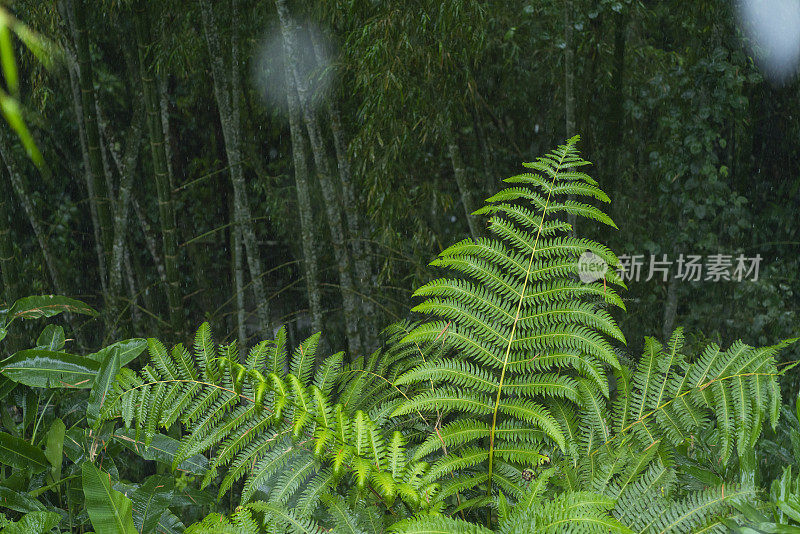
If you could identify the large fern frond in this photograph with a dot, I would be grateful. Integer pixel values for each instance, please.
(663, 403)
(288, 437)
(669, 396)
(517, 325)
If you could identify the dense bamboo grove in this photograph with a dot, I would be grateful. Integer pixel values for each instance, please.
(372, 137)
(273, 170)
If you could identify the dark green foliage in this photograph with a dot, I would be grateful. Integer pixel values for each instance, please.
(457, 417)
(508, 401)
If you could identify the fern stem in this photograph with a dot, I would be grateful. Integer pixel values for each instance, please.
(511, 336)
(175, 380)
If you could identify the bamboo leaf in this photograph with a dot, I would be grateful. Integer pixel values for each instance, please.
(41, 47)
(6, 386)
(110, 511)
(169, 523)
(46, 306)
(48, 369)
(19, 502)
(54, 447)
(9, 64)
(103, 381)
(13, 115)
(20, 454)
(129, 350)
(150, 501)
(51, 338)
(34, 523)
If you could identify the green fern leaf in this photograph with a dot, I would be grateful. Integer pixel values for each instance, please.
(516, 306)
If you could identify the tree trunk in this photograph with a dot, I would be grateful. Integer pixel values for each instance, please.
(18, 186)
(460, 173)
(348, 194)
(300, 158)
(149, 240)
(163, 106)
(136, 315)
(72, 69)
(569, 89)
(617, 74)
(345, 175)
(363, 272)
(127, 169)
(99, 191)
(670, 309)
(143, 291)
(332, 204)
(8, 266)
(358, 244)
(480, 139)
(617, 99)
(156, 134)
(569, 72)
(238, 276)
(226, 90)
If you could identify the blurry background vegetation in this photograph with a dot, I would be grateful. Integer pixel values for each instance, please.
(257, 163)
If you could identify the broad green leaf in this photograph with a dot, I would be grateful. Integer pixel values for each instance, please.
(8, 423)
(192, 496)
(161, 449)
(169, 523)
(19, 502)
(103, 381)
(48, 369)
(128, 349)
(20, 454)
(34, 523)
(6, 387)
(51, 338)
(30, 409)
(54, 486)
(75, 444)
(54, 448)
(46, 306)
(150, 501)
(110, 511)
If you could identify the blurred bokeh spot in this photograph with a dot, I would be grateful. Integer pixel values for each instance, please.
(772, 28)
